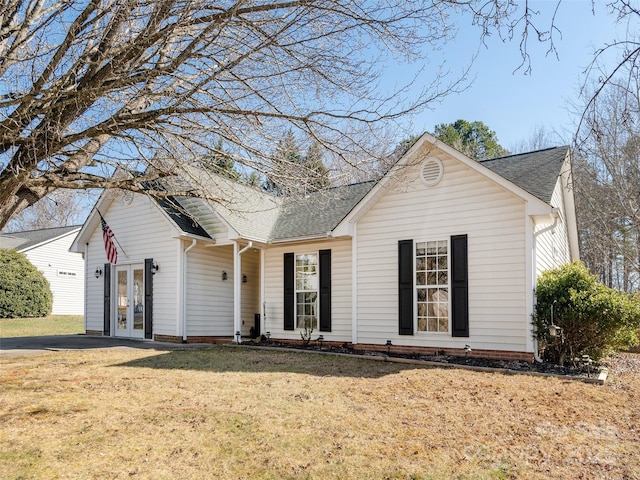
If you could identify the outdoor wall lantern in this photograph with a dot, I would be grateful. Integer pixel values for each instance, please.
(98, 272)
(244, 278)
(224, 276)
(238, 337)
(154, 268)
(554, 330)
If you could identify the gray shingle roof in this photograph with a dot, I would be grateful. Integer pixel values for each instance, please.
(536, 172)
(258, 215)
(22, 241)
(319, 212)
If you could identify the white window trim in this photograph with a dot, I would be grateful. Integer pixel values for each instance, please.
(415, 288)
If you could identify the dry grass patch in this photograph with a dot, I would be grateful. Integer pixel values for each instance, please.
(236, 413)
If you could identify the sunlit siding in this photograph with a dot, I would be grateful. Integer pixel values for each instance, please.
(464, 202)
(209, 305)
(340, 289)
(552, 247)
(142, 232)
(65, 272)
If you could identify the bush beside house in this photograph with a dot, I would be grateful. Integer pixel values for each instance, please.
(24, 291)
(594, 320)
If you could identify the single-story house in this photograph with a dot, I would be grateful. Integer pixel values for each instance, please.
(441, 253)
(48, 250)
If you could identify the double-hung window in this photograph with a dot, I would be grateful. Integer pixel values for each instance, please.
(307, 291)
(432, 286)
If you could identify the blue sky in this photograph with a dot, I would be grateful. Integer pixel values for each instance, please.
(514, 104)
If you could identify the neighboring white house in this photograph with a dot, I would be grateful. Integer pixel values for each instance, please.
(442, 252)
(48, 250)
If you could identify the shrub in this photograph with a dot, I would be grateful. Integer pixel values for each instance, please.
(24, 292)
(595, 320)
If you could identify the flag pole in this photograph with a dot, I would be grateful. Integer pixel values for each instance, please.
(114, 236)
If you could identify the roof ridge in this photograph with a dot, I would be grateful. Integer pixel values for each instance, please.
(41, 229)
(524, 153)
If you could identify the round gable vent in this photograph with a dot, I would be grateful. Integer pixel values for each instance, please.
(431, 171)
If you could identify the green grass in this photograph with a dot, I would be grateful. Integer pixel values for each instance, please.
(36, 327)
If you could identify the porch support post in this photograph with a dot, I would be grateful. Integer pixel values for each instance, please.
(263, 306)
(237, 291)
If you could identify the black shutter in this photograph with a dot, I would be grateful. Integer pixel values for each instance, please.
(459, 287)
(289, 290)
(148, 298)
(106, 312)
(405, 287)
(324, 262)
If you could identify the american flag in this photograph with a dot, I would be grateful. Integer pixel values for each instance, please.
(109, 245)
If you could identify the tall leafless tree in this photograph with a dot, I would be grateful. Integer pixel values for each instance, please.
(607, 182)
(88, 86)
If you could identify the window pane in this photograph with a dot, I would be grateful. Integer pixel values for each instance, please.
(422, 294)
(421, 278)
(422, 324)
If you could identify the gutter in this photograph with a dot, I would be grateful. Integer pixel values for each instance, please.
(555, 215)
(184, 290)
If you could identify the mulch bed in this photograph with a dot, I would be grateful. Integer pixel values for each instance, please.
(591, 371)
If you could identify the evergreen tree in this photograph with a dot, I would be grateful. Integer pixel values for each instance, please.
(316, 174)
(474, 139)
(221, 163)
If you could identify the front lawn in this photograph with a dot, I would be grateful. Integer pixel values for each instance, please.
(36, 327)
(225, 412)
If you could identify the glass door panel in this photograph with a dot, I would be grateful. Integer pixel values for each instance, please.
(138, 300)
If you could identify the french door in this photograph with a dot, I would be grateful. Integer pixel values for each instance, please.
(129, 287)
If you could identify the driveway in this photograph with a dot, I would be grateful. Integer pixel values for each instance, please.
(52, 343)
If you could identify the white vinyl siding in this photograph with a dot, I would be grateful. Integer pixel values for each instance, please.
(463, 202)
(142, 232)
(341, 279)
(209, 299)
(65, 272)
(552, 247)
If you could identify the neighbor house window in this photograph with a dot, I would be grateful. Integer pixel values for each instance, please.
(307, 291)
(432, 286)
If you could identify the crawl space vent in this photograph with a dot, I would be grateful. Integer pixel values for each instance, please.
(431, 171)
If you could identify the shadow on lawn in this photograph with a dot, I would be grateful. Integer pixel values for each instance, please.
(224, 359)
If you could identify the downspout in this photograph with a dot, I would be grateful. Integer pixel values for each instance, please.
(86, 283)
(184, 290)
(554, 214)
(237, 291)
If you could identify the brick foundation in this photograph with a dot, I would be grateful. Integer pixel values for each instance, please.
(459, 352)
(93, 333)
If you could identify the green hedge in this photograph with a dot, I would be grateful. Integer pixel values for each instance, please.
(595, 320)
(24, 292)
